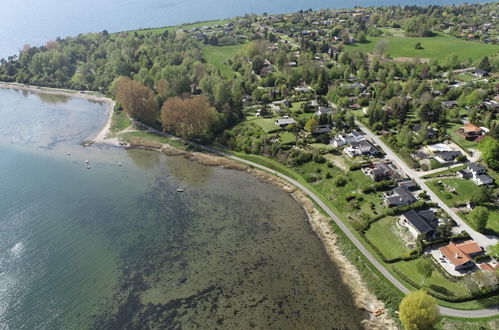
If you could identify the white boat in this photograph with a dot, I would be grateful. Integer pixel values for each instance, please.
(180, 190)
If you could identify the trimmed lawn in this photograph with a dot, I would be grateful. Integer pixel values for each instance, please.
(492, 224)
(287, 138)
(267, 124)
(438, 47)
(451, 171)
(218, 56)
(464, 190)
(465, 77)
(436, 282)
(119, 122)
(381, 233)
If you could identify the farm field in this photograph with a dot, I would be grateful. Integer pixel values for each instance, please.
(438, 47)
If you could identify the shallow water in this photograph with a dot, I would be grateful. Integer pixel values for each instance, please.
(117, 247)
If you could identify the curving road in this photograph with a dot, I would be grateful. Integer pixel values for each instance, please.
(492, 311)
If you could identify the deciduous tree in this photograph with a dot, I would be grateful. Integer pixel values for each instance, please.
(139, 101)
(418, 311)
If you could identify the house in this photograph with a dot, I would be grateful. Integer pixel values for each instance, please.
(464, 174)
(409, 185)
(476, 168)
(449, 104)
(321, 129)
(480, 73)
(445, 157)
(470, 132)
(460, 255)
(303, 89)
(483, 179)
(283, 122)
(324, 111)
(266, 68)
(379, 171)
(361, 148)
(400, 197)
(342, 140)
(424, 223)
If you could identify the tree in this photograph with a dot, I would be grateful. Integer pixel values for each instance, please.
(480, 216)
(381, 48)
(494, 251)
(418, 311)
(139, 101)
(311, 124)
(485, 64)
(189, 118)
(490, 152)
(425, 268)
(482, 196)
(418, 46)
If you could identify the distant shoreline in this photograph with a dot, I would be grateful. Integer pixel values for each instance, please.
(101, 136)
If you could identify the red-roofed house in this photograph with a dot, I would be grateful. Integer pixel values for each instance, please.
(460, 255)
(470, 132)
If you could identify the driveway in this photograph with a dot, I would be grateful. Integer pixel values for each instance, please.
(482, 240)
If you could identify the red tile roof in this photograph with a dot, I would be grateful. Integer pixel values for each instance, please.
(455, 255)
(472, 128)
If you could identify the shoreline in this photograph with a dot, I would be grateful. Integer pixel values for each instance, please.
(364, 300)
(101, 136)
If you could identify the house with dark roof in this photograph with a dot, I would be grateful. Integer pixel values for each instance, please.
(424, 223)
(400, 197)
(379, 171)
(483, 179)
(283, 122)
(449, 104)
(480, 73)
(476, 168)
(361, 148)
(321, 129)
(446, 157)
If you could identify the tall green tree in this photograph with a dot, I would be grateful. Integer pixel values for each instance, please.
(480, 217)
(418, 311)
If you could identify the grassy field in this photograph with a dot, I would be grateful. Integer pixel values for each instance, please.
(492, 223)
(464, 190)
(438, 47)
(287, 138)
(119, 122)
(436, 282)
(267, 124)
(218, 56)
(183, 26)
(467, 324)
(382, 235)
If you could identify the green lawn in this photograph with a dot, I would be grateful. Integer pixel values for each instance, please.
(119, 122)
(438, 47)
(267, 124)
(381, 234)
(492, 224)
(218, 56)
(465, 77)
(451, 171)
(287, 138)
(436, 282)
(464, 190)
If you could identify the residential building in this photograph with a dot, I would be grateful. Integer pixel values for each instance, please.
(400, 197)
(283, 122)
(324, 111)
(424, 223)
(481, 73)
(470, 132)
(460, 255)
(483, 179)
(361, 148)
(341, 140)
(379, 171)
(449, 104)
(321, 129)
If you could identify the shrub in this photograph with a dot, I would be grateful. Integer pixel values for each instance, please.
(340, 181)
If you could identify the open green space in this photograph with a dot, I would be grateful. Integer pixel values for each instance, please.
(492, 223)
(119, 122)
(382, 235)
(287, 138)
(436, 282)
(438, 47)
(267, 124)
(218, 56)
(451, 171)
(464, 189)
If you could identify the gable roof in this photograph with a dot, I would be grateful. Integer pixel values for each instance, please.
(455, 255)
(422, 225)
(469, 247)
(472, 128)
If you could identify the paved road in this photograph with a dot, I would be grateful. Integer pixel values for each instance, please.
(482, 240)
(493, 311)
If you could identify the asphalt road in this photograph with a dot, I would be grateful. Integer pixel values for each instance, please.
(493, 311)
(482, 240)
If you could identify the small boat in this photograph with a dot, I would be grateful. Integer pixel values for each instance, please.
(379, 312)
(119, 164)
(68, 154)
(86, 162)
(180, 190)
(87, 167)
